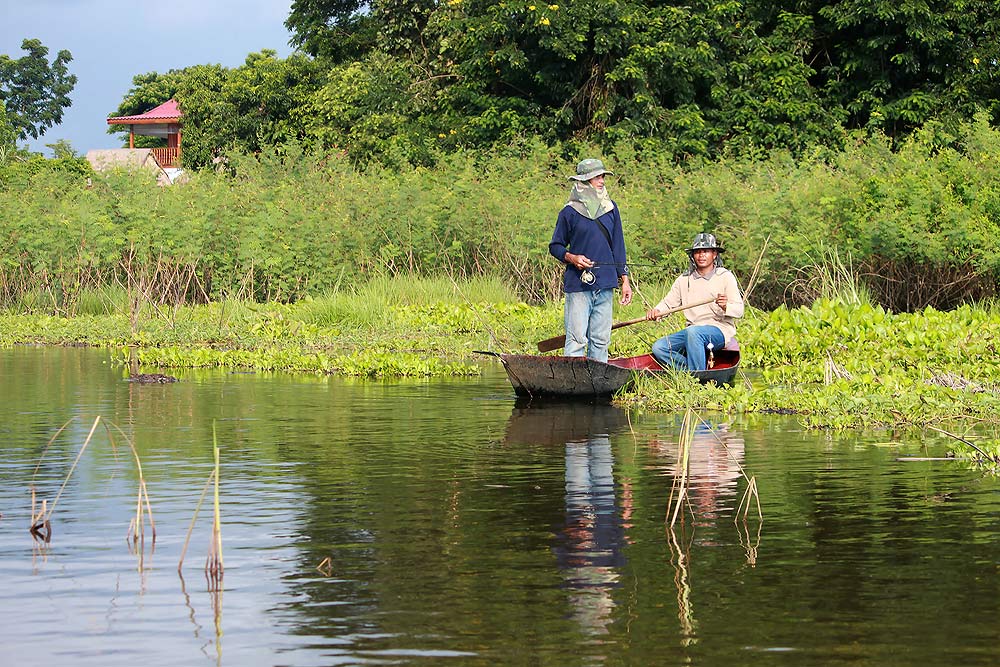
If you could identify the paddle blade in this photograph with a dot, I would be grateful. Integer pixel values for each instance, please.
(554, 343)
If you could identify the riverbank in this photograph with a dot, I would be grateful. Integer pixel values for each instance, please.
(835, 365)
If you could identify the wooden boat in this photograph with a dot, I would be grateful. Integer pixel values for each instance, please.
(534, 375)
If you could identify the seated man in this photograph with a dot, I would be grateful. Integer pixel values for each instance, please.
(712, 324)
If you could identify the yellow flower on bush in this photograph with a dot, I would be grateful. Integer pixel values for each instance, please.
(441, 135)
(531, 8)
(545, 20)
(554, 8)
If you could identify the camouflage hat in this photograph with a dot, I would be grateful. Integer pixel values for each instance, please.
(704, 241)
(590, 168)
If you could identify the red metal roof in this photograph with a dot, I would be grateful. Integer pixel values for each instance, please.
(168, 112)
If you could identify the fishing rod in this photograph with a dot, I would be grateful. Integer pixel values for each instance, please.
(627, 264)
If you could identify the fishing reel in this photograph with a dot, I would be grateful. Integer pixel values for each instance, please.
(587, 277)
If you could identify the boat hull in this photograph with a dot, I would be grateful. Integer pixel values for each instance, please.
(534, 375)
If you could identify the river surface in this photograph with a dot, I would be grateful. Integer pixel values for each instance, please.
(439, 522)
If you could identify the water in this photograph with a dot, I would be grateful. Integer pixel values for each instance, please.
(441, 522)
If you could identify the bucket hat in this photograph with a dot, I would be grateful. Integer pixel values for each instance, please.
(590, 168)
(704, 241)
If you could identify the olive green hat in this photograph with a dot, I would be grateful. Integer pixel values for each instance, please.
(590, 168)
(704, 241)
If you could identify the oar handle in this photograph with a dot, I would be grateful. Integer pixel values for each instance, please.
(557, 342)
(678, 309)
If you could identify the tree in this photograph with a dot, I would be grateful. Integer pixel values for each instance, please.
(246, 108)
(895, 64)
(63, 149)
(148, 91)
(34, 91)
(8, 136)
(333, 30)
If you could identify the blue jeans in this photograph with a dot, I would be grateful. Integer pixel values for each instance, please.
(685, 349)
(587, 317)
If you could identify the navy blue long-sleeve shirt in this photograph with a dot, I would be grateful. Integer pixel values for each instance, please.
(579, 235)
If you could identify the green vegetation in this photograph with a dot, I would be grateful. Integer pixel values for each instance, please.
(919, 226)
(381, 202)
(839, 365)
(34, 91)
(834, 364)
(396, 83)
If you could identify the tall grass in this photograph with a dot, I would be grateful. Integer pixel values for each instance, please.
(369, 304)
(921, 220)
(101, 301)
(831, 275)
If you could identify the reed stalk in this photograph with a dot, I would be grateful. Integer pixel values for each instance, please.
(750, 493)
(678, 492)
(48, 516)
(136, 532)
(41, 521)
(752, 282)
(197, 509)
(214, 566)
(46, 449)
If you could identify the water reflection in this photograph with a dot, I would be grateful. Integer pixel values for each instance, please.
(444, 538)
(589, 543)
(710, 470)
(714, 468)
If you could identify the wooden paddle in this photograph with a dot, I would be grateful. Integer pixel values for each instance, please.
(557, 342)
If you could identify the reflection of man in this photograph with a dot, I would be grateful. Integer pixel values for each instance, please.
(589, 545)
(713, 467)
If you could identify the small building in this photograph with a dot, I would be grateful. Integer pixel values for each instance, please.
(131, 159)
(162, 121)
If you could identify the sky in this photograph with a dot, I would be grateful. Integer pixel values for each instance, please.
(112, 41)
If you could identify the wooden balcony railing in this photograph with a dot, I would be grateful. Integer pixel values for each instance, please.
(167, 157)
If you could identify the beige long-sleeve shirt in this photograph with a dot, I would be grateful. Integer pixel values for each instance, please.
(695, 287)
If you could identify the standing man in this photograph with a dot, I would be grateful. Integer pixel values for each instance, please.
(709, 324)
(588, 238)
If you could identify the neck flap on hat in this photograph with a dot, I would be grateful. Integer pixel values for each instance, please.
(589, 201)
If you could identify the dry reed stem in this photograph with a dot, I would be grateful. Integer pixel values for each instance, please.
(756, 269)
(187, 539)
(679, 487)
(45, 450)
(137, 524)
(750, 493)
(482, 320)
(986, 455)
(40, 528)
(86, 442)
(214, 566)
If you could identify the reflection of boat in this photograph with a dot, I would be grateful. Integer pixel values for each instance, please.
(556, 423)
(533, 375)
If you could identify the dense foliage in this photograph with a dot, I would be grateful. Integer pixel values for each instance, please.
(914, 227)
(34, 91)
(398, 81)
